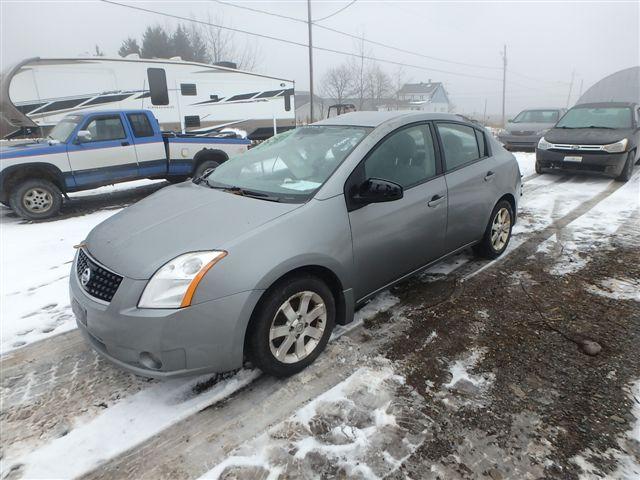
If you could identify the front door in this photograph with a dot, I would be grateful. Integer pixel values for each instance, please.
(394, 238)
(108, 155)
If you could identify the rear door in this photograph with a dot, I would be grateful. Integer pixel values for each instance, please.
(109, 155)
(394, 238)
(470, 174)
(148, 143)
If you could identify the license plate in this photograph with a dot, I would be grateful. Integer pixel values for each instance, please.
(572, 159)
(79, 312)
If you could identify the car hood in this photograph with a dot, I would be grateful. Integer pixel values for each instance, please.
(527, 127)
(31, 148)
(175, 220)
(586, 136)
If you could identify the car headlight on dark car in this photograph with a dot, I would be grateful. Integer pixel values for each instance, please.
(617, 147)
(175, 283)
(544, 145)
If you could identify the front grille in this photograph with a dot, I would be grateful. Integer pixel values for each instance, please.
(96, 280)
(520, 132)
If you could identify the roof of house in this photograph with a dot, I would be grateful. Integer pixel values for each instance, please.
(420, 88)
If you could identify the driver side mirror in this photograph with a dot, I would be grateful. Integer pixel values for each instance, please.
(376, 190)
(83, 136)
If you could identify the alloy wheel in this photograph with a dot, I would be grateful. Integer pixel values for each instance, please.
(500, 229)
(297, 327)
(37, 200)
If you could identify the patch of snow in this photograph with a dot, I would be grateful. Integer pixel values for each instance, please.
(118, 187)
(460, 371)
(618, 288)
(526, 162)
(125, 425)
(341, 432)
(35, 261)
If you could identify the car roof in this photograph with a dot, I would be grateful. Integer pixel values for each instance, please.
(375, 119)
(605, 105)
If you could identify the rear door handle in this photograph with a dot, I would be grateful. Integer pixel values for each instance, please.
(124, 144)
(436, 200)
(489, 176)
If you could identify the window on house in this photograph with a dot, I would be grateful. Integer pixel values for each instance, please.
(158, 86)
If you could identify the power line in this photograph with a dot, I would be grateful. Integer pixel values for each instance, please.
(355, 37)
(336, 12)
(292, 42)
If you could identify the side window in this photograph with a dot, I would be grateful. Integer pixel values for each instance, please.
(140, 125)
(188, 89)
(158, 86)
(106, 128)
(482, 144)
(459, 143)
(406, 157)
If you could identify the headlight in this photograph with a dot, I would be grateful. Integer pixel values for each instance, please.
(617, 147)
(544, 145)
(175, 283)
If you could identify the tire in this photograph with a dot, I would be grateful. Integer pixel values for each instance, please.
(539, 169)
(493, 249)
(36, 199)
(269, 319)
(627, 171)
(204, 166)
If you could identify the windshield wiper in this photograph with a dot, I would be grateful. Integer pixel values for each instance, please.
(243, 191)
(600, 126)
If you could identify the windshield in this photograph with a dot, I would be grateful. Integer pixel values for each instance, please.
(63, 130)
(584, 117)
(291, 169)
(537, 116)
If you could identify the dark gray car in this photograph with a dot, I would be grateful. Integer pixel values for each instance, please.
(525, 130)
(262, 257)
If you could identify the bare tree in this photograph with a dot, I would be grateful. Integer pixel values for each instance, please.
(399, 80)
(359, 76)
(223, 46)
(337, 82)
(379, 85)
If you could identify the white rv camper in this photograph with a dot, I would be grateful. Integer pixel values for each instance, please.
(184, 96)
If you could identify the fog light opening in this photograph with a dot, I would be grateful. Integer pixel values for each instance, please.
(150, 361)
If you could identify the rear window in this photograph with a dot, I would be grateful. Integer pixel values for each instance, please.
(158, 86)
(140, 125)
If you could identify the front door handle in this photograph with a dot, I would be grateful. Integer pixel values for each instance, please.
(489, 176)
(436, 200)
(124, 144)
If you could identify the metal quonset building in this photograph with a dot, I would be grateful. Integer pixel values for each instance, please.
(622, 86)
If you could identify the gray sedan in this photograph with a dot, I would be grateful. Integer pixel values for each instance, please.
(528, 127)
(260, 258)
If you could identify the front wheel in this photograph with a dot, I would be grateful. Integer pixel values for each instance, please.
(292, 326)
(498, 232)
(36, 199)
(539, 169)
(627, 171)
(204, 166)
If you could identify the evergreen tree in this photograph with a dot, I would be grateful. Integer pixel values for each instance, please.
(198, 47)
(129, 46)
(181, 44)
(156, 43)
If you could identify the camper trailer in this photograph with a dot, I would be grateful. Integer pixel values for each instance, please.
(184, 96)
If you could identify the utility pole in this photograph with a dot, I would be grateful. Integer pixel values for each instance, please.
(581, 85)
(484, 115)
(573, 74)
(311, 97)
(504, 81)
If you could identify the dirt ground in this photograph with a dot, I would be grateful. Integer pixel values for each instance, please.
(536, 404)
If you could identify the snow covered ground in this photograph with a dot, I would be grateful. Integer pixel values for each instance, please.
(35, 261)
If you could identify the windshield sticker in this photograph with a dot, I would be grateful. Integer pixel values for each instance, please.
(300, 185)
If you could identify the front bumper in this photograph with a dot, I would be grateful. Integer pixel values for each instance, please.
(601, 162)
(511, 141)
(164, 343)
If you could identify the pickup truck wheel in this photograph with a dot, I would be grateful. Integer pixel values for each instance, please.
(36, 199)
(292, 326)
(204, 166)
(498, 232)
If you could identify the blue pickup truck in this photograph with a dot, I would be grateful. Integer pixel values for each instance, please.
(93, 149)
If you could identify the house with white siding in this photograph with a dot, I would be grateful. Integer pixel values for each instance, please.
(426, 97)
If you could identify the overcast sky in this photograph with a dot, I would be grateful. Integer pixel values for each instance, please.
(546, 41)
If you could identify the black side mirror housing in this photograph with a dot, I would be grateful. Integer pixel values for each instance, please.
(377, 190)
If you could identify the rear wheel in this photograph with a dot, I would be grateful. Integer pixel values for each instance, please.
(627, 171)
(204, 166)
(36, 199)
(292, 326)
(498, 232)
